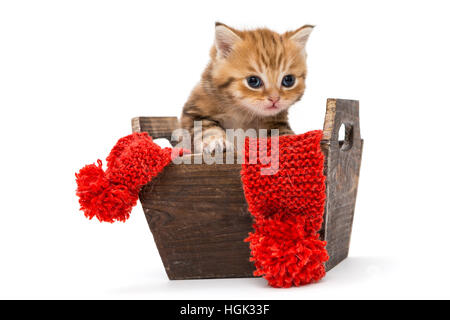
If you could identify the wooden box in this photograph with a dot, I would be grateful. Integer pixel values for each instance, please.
(198, 215)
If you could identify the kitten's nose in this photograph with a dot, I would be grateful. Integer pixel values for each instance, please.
(274, 99)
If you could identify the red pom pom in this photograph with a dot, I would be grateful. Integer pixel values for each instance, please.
(101, 199)
(133, 162)
(284, 253)
(91, 182)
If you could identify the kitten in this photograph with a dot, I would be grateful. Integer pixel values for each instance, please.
(250, 83)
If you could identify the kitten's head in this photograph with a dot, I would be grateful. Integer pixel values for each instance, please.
(260, 70)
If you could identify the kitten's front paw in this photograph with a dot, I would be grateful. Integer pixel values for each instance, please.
(214, 144)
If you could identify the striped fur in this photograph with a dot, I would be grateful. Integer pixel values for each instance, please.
(223, 100)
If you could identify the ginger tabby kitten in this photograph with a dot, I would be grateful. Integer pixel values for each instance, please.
(250, 83)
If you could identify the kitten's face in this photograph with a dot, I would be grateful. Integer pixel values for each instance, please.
(262, 71)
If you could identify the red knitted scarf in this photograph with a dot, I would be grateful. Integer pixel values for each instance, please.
(132, 163)
(287, 206)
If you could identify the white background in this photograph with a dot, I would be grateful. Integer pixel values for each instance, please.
(73, 74)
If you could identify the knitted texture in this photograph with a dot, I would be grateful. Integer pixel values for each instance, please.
(110, 195)
(287, 208)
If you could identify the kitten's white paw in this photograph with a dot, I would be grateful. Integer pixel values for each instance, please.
(214, 144)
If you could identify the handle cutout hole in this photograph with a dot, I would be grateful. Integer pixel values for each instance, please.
(163, 142)
(345, 137)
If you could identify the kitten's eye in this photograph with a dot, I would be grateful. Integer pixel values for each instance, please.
(288, 81)
(254, 82)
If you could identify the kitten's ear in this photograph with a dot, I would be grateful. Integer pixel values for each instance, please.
(301, 35)
(226, 38)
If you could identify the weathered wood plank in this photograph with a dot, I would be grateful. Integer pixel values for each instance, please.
(199, 221)
(342, 164)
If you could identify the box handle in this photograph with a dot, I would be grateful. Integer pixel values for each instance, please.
(340, 113)
(156, 127)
